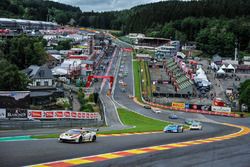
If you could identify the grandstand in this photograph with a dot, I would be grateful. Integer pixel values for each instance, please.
(19, 24)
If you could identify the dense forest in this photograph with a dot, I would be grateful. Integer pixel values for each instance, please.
(215, 24)
(40, 10)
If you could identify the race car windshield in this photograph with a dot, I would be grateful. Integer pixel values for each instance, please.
(73, 132)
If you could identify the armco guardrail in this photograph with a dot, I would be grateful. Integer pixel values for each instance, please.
(227, 114)
(18, 124)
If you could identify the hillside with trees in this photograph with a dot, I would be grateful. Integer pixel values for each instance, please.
(214, 24)
(43, 10)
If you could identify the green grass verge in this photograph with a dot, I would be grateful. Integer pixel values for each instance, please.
(143, 124)
(136, 67)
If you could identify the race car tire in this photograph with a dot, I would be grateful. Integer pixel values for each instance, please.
(93, 138)
(80, 140)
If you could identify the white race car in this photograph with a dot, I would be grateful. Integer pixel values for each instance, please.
(195, 126)
(157, 111)
(78, 136)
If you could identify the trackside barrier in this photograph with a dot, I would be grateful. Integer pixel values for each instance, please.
(41, 114)
(194, 111)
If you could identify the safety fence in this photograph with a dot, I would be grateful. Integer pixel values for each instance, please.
(227, 114)
(20, 124)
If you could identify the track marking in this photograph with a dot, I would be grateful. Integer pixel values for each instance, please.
(133, 152)
(25, 138)
(78, 161)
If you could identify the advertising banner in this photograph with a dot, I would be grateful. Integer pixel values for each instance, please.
(198, 107)
(67, 114)
(178, 105)
(73, 114)
(40, 114)
(2, 113)
(16, 113)
(35, 114)
(79, 115)
(87, 115)
(221, 109)
(59, 114)
(48, 114)
(84, 115)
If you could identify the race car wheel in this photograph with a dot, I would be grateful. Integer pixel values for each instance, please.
(80, 140)
(93, 138)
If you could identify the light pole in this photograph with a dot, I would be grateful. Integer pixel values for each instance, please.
(236, 50)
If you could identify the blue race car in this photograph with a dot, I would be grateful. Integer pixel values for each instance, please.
(173, 128)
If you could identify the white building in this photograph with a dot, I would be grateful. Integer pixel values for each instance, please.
(165, 52)
(41, 76)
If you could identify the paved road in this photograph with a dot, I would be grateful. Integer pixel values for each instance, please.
(234, 152)
(39, 151)
(111, 116)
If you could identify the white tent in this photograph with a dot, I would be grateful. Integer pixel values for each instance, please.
(223, 66)
(200, 71)
(59, 71)
(214, 66)
(205, 83)
(69, 63)
(200, 77)
(230, 67)
(220, 71)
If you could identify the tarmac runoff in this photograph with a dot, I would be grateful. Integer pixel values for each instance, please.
(25, 138)
(133, 152)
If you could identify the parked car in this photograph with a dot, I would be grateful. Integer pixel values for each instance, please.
(147, 106)
(195, 126)
(173, 116)
(173, 128)
(78, 135)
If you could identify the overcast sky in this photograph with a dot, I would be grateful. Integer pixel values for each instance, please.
(105, 5)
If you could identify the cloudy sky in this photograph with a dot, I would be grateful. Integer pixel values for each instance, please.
(105, 5)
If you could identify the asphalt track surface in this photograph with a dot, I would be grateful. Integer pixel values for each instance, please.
(233, 152)
(22, 153)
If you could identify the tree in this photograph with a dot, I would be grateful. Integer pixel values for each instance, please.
(216, 39)
(248, 47)
(64, 45)
(24, 51)
(11, 78)
(62, 18)
(244, 92)
(4, 4)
